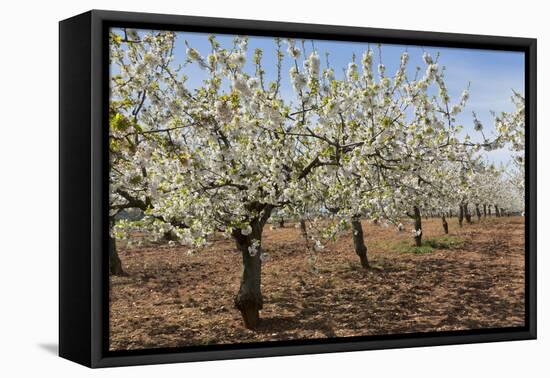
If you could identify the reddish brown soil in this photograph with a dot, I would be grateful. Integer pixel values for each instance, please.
(170, 298)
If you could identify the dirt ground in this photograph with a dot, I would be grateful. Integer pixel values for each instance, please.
(170, 298)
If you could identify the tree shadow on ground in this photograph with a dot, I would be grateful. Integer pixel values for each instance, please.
(294, 323)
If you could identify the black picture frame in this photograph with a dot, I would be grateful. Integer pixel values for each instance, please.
(83, 195)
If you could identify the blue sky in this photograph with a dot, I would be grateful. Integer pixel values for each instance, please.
(492, 74)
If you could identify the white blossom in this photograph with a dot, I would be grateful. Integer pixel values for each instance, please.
(254, 248)
(247, 230)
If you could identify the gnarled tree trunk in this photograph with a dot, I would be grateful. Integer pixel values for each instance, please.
(445, 224)
(359, 241)
(484, 210)
(249, 300)
(282, 223)
(497, 211)
(460, 215)
(417, 226)
(115, 265)
(478, 212)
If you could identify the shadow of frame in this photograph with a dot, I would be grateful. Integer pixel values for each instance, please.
(51, 348)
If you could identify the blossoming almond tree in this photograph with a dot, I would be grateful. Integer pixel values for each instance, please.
(393, 127)
(226, 154)
(420, 135)
(134, 87)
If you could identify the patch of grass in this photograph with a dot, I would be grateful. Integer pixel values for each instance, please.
(429, 245)
(406, 246)
(445, 242)
(277, 297)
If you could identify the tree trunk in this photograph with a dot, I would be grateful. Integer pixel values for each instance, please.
(282, 223)
(169, 236)
(115, 265)
(417, 227)
(445, 224)
(359, 241)
(489, 210)
(497, 211)
(467, 214)
(303, 231)
(478, 212)
(484, 210)
(249, 300)
(460, 215)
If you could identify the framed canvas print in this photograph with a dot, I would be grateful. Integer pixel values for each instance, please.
(234, 188)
